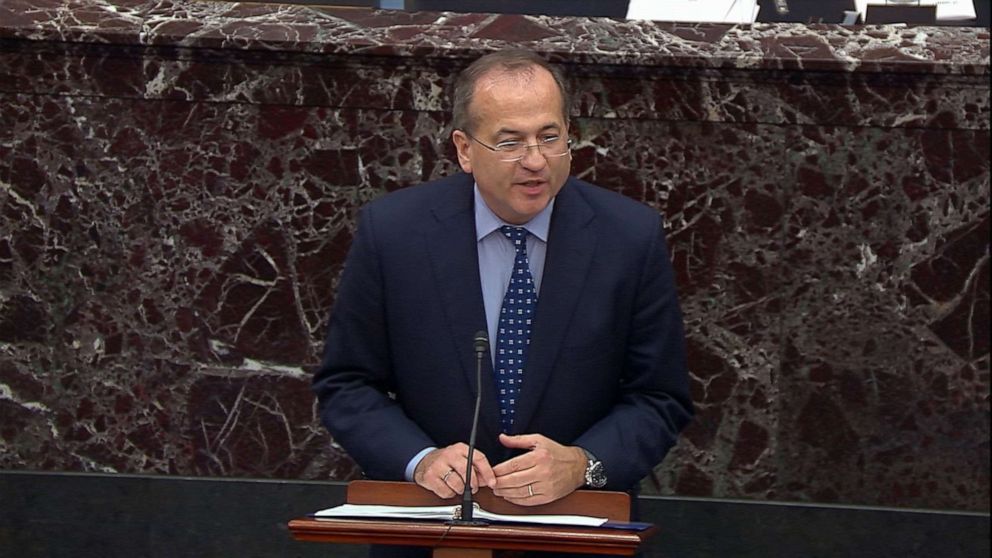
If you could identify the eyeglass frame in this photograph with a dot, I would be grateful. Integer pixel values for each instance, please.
(526, 148)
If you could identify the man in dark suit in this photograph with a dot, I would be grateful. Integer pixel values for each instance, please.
(588, 387)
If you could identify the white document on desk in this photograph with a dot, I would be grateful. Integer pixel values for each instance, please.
(702, 11)
(445, 513)
(947, 10)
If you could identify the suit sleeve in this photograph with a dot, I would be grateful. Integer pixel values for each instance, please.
(354, 382)
(654, 403)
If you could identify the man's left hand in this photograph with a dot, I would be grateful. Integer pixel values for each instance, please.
(547, 472)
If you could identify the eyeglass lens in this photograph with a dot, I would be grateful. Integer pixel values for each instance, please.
(557, 147)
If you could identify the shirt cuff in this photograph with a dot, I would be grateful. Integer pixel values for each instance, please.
(412, 465)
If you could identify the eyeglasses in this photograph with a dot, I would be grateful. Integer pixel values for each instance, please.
(551, 146)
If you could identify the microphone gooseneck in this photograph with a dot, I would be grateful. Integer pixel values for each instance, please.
(481, 346)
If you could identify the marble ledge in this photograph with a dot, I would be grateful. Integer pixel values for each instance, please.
(358, 31)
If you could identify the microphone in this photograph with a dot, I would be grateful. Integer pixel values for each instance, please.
(481, 346)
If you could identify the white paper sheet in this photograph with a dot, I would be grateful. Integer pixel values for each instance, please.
(711, 11)
(947, 10)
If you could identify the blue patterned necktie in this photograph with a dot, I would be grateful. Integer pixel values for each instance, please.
(513, 331)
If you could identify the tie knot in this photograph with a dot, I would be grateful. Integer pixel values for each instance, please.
(516, 234)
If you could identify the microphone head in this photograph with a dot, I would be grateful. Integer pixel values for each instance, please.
(481, 341)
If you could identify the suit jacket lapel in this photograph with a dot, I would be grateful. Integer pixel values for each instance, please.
(571, 245)
(454, 258)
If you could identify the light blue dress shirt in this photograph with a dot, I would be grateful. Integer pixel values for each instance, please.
(496, 254)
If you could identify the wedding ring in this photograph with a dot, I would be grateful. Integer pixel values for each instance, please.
(444, 478)
(530, 490)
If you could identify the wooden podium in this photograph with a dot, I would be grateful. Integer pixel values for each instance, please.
(455, 541)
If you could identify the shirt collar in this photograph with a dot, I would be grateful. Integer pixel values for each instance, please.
(486, 221)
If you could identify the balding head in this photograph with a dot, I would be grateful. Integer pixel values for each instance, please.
(512, 64)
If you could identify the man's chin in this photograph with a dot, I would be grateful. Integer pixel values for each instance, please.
(529, 209)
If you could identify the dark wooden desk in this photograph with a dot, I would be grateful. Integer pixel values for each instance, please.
(456, 541)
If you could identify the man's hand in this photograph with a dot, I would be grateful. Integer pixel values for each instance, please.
(442, 471)
(547, 472)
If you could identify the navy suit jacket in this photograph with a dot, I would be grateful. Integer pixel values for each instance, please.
(606, 368)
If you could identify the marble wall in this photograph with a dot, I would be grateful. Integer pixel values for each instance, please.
(179, 181)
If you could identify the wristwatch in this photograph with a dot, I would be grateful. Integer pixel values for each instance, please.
(595, 472)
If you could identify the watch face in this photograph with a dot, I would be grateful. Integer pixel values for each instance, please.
(595, 476)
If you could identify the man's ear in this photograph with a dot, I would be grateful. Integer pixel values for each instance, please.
(462, 144)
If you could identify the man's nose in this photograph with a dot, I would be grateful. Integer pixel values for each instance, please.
(534, 159)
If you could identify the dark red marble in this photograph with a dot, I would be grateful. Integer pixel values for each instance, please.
(179, 182)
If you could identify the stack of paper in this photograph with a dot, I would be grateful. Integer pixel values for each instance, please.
(452, 512)
(711, 11)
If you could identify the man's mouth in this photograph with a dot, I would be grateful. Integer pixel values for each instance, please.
(533, 184)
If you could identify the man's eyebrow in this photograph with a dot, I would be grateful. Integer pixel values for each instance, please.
(511, 132)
